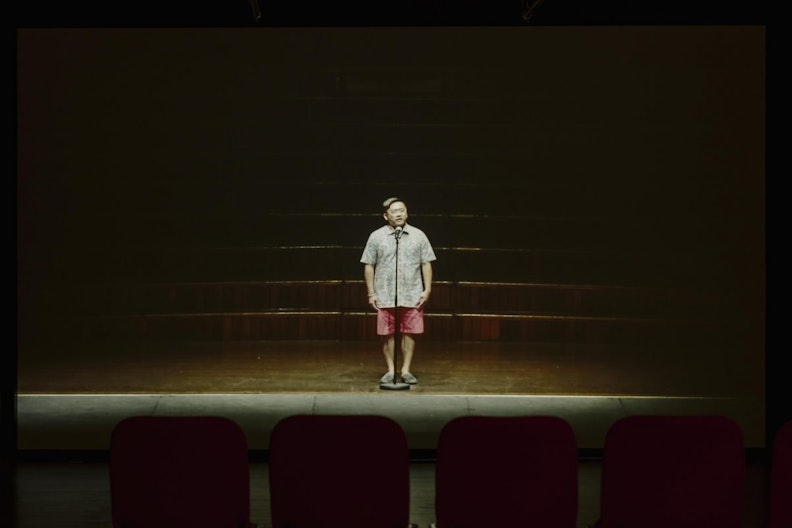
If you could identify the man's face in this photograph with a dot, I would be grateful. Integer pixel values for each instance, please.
(396, 215)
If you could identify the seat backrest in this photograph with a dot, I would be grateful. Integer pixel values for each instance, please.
(349, 471)
(781, 478)
(168, 471)
(681, 471)
(506, 471)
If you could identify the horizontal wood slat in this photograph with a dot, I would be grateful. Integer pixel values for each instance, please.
(447, 297)
(362, 326)
(466, 311)
(650, 268)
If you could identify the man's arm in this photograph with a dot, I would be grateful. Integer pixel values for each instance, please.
(426, 270)
(368, 276)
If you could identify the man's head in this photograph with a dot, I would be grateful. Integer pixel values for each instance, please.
(394, 211)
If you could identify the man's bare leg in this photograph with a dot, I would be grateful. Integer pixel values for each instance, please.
(408, 349)
(388, 351)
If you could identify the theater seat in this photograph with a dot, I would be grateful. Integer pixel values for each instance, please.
(506, 471)
(680, 471)
(345, 471)
(179, 471)
(780, 515)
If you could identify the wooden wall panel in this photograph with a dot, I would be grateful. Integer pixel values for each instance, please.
(595, 205)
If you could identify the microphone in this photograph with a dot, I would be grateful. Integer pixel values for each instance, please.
(398, 232)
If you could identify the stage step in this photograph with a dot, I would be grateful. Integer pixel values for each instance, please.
(357, 326)
(458, 311)
(483, 298)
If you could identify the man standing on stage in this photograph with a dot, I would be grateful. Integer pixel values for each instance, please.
(406, 298)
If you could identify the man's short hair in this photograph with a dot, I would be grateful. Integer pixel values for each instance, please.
(387, 203)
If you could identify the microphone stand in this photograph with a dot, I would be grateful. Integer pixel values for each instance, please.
(397, 326)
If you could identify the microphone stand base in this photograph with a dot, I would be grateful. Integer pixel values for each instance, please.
(395, 386)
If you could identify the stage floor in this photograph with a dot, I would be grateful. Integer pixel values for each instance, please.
(351, 367)
(70, 398)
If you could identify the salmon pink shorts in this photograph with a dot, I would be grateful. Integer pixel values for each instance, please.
(412, 320)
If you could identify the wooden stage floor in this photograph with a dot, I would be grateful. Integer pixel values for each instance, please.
(349, 367)
(69, 398)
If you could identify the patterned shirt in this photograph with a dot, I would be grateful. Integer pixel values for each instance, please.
(414, 250)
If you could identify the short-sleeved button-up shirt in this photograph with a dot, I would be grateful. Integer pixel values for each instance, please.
(380, 252)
